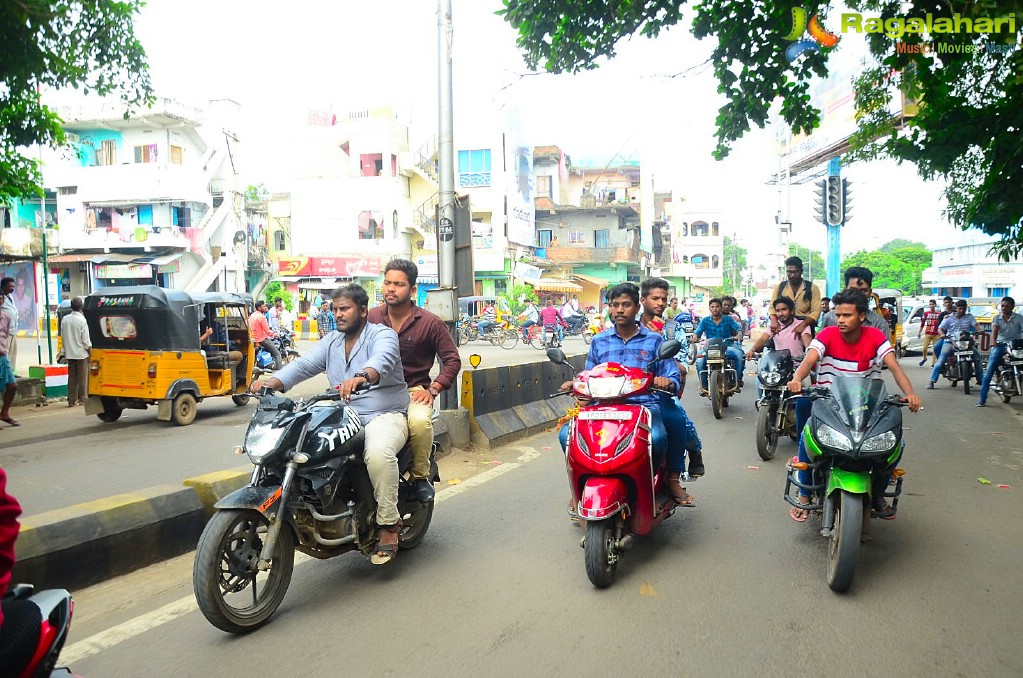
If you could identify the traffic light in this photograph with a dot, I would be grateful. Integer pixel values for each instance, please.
(833, 202)
(846, 200)
(821, 199)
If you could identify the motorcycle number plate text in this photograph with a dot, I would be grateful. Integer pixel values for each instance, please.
(610, 414)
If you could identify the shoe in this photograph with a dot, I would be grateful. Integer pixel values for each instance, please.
(922, 362)
(981, 404)
(424, 490)
(696, 464)
(572, 515)
(930, 385)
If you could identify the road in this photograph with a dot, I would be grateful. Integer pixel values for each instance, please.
(731, 588)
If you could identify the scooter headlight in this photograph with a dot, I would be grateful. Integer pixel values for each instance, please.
(832, 438)
(770, 378)
(879, 443)
(607, 387)
(261, 440)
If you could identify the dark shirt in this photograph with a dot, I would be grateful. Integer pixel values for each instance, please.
(423, 338)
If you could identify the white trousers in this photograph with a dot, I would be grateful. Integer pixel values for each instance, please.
(385, 436)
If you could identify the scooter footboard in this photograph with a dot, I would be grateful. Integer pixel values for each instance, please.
(602, 497)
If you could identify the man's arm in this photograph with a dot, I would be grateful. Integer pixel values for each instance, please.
(903, 381)
(84, 335)
(310, 364)
(815, 304)
(451, 362)
(803, 371)
(806, 337)
(994, 332)
(383, 355)
(668, 369)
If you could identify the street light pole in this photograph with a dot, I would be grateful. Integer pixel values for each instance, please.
(446, 174)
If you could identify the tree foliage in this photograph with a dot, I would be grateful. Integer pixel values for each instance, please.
(276, 290)
(84, 45)
(733, 265)
(970, 115)
(813, 261)
(899, 264)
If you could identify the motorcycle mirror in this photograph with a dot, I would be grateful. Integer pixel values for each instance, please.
(557, 356)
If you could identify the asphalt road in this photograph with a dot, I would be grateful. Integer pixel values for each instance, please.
(731, 588)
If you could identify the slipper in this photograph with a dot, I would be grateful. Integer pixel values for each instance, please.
(10, 421)
(799, 515)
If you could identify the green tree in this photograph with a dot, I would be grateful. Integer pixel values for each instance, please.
(89, 46)
(520, 292)
(968, 101)
(813, 261)
(900, 268)
(733, 265)
(899, 243)
(256, 193)
(276, 290)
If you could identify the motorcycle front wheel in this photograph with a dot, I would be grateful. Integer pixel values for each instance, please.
(767, 432)
(845, 540)
(715, 393)
(964, 372)
(232, 593)
(601, 555)
(290, 355)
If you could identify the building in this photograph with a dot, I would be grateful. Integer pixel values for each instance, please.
(971, 270)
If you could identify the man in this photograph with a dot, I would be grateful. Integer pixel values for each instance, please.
(950, 327)
(487, 319)
(735, 351)
(929, 326)
(803, 293)
(9, 512)
(213, 338)
(670, 314)
(8, 384)
(850, 348)
(862, 279)
(74, 333)
(261, 333)
(632, 345)
(550, 316)
(571, 315)
(1004, 328)
(947, 309)
(716, 326)
(325, 320)
(529, 317)
(422, 338)
(11, 309)
(285, 319)
(275, 315)
(681, 431)
(360, 353)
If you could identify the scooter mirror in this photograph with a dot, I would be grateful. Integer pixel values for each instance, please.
(668, 349)
(557, 356)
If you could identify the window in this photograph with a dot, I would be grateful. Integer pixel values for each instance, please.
(543, 187)
(176, 155)
(998, 291)
(117, 327)
(544, 238)
(474, 168)
(181, 217)
(577, 237)
(715, 261)
(145, 153)
(699, 228)
(106, 154)
(701, 261)
(279, 245)
(600, 238)
(372, 164)
(714, 228)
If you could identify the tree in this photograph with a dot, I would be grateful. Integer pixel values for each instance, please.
(276, 290)
(900, 268)
(969, 101)
(89, 46)
(813, 260)
(256, 193)
(733, 264)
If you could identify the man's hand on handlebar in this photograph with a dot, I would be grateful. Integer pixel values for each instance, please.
(273, 383)
(914, 402)
(566, 387)
(795, 386)
(664, 383)
(347, 387)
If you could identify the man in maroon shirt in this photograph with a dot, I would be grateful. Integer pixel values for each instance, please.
(422, 337)
(9, 512)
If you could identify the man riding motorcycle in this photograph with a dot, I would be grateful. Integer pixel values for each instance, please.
(717, 326)
(951, 326)
(360, 353)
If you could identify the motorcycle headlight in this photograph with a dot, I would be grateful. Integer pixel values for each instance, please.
(261, 440)
(832, 438)
(770, 378)
(879, 443)
(1017, 353)
(962, 345)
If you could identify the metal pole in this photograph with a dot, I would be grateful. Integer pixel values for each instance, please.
(446, 171)
(46, 292)
(834, 240)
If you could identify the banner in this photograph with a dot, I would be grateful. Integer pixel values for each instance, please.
(339, 267)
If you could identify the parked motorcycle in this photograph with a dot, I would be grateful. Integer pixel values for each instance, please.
(35, 628)
(284, 340)
(776, 406)
(616, 490)
(722, 381)
(853, 440)
(1008, 378)
(309, 491)
(959, 366)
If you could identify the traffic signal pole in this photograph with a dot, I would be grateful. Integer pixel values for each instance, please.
(834, 258)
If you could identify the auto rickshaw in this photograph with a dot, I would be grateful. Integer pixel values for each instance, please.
(474, 306)
(146, 350)
(889, 305)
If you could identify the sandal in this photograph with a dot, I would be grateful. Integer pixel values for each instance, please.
(10, 421)
(800, 515)
(678, 493)
(385, 553)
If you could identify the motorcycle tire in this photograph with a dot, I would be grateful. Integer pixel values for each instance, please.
(601, 555)
(289, 356)
(232, 539)
(715, 393)
(587, 337)
(767, 433)
(691, 354)
(964, 371)
(415, 521)
(240, 400)
(845, 540)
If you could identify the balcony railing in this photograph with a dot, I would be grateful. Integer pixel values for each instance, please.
(470, 179)
(588, 255)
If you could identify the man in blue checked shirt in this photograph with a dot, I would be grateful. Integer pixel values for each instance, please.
(717, 326)
(325, 320)
(949, 329)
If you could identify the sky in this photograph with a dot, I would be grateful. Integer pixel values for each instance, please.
(654, 103)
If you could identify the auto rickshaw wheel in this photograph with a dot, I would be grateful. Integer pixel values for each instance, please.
(240, 400)
(111, 411)
(183, 409)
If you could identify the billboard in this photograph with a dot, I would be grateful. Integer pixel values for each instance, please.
(521, 184)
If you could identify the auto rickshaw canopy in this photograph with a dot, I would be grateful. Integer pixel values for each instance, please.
(143, 317)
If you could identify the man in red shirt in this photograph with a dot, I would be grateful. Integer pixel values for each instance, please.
(9, 512)
(261, 335)
(550, 316)
(422, 338)
(929, 326)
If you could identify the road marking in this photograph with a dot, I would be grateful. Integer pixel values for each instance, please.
(115, 635)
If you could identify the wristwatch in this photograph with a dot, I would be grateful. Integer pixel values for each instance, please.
(364, 375)
(434, 392)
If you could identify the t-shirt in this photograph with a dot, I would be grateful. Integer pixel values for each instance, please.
(788, 339)
(550, 316)
(1008, 330)
(670, 313)
(840, 358)
(931, 320)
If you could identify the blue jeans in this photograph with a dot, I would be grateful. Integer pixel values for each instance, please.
(525, 326)
(997, 351)
(947, 351)
(681, 431)
(658, 436)
(484, 325)
(739, 359)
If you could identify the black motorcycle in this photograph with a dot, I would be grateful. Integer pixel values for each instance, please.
(309, 491)
(959, 366)
(776, 406)
(1008, 378)
(722, 381)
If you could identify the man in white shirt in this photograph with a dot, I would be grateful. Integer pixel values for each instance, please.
(11, 309)
(74, 333)
(571, 315)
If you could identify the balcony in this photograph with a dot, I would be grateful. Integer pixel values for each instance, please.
(135, 183)
(593, 255)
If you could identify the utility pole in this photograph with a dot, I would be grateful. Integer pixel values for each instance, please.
(446, 178)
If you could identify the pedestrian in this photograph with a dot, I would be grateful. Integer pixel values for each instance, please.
(274, 318)
(8, 383)
(803, 293)
(1005, 328)
(11, 310)
(929, 326)
(74, 333)
(947, 310)
(260, 328)
(325, 320)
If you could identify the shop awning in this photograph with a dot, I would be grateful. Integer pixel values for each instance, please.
(554, 285)
(70, 258)
(590, 280)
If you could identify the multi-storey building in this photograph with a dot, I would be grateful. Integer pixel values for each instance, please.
(971, 270)
(696, 247)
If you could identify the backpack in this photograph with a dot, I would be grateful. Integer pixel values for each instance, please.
(807, 289)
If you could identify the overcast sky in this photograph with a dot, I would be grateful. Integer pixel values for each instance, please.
(278, 60)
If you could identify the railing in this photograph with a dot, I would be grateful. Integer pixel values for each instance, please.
(470, 179)
(426, 158)
(424, 215)
(584, 255)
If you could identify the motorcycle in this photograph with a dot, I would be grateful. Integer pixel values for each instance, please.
(1008, 378)
(722, 381)
(580, 328)
(309, 491)
(35, 628)
(853, 440)
(959, 366)
(500, 334)
(616, 490)
(776, 406)
(685, 333)
(284, 341)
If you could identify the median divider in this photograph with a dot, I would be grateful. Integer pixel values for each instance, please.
(508, 403)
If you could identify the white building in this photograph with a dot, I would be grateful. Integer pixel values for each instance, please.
(972, 271)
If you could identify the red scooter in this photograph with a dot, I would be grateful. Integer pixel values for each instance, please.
(35, 627)
(616, 489)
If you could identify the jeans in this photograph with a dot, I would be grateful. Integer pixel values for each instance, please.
(271, 348)
(946, 352)
(525, 326)
(681, 431)
(575, 322)
(658, 436)
(484, 325)
(997, 351)
(733, 357)
(739, 359)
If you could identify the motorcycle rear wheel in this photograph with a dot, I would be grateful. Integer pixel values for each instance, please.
(225, 565)
(767, 433)
(415, 522)
(511, 339)
(587, 337)
(290, 356)
(715, 393)
(601, 555)
(845, 540)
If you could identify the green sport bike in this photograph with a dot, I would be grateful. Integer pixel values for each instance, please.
(853, 443)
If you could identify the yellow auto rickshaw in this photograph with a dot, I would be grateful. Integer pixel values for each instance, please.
(155, 346)
(889, 304)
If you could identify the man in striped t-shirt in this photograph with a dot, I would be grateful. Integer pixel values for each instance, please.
(848, 349)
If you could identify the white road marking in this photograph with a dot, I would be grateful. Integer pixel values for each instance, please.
(107, 639)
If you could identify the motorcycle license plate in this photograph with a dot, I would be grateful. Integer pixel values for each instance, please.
(592, 415)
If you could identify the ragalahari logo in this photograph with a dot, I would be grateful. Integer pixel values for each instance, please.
(819, 36)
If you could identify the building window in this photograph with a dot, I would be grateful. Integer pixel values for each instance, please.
(600, 238)
(715, 261)
(544, 238)
(699, 229)
(106, 154)
(543, 187)
(474, 168)
(701, 261)
(370, 226)
(714, 229)
(181, 217)
(372, 164)
(177, 155)
(145, 153)
(998, 291)
(279, 241)
(394, 165)
(577, 237)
